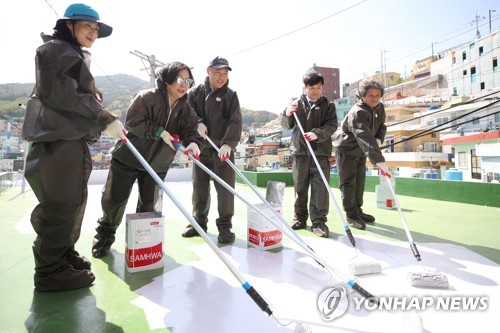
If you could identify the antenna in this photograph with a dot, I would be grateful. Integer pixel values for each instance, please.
(153, 64)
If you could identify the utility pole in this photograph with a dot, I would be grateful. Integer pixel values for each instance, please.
(153, 64)
(476, 22)
(491, 11)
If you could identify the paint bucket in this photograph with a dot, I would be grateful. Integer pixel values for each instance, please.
(262, 234)
(144, 241)
(384, 197)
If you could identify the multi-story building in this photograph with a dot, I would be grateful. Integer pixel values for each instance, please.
(331, 88)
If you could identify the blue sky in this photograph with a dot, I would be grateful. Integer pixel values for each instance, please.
(269, 44)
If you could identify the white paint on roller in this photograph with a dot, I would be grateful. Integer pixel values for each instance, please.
(428, 280)
(363, 267)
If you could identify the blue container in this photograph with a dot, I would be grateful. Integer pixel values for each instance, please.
(453, 174)
(433, 175)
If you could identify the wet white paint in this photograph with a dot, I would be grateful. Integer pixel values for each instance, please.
(204, 295)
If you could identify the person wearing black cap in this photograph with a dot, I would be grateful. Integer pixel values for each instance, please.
(153, 118)
(319, 120)
(63, 115)
(219, 117)
(359, 137)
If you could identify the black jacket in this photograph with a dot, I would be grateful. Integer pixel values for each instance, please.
(63, 105)
(321, 119)
(359, 130)
(148, 114)
(220, 111)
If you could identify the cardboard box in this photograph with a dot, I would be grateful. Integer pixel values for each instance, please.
(262, 234)
(144, 241)
(384, 197)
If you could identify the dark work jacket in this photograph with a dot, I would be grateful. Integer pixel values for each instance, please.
(63, 105)
(321, 119)
(147, 115)
(220, 111)
(359, 130)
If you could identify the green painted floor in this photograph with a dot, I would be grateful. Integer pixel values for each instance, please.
(107, 307)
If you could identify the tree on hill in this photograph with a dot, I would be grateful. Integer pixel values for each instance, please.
(117, 90)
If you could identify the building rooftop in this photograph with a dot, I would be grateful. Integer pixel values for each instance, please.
(196, 292)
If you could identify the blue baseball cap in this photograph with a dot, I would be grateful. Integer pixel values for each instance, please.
(79, 11)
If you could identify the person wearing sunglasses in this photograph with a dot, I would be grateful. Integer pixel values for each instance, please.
(219, 117)
(154, 117)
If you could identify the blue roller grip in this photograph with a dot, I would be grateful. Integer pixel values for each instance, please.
(254, 295)
(363, 292)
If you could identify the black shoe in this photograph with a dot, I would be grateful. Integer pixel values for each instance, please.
(190, 231)
(299, 225)
(101, 245)
(77, 261)
(367, 217)
(66, 278)
(320, 230)
(226, 236)
(356, 222)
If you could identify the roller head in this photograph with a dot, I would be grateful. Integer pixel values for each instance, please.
(363, 267)
(428, 280)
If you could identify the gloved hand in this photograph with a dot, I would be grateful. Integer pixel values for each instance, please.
(310, 136)
(379, 142)
(193, 149)
(167, 138)
(202, 129)
(224, 152)
(115, 130)
(293, 107)
(384, 169)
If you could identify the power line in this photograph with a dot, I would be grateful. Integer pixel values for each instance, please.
(296, 30)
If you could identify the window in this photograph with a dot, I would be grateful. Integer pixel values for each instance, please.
(472, 45)
(475, 120)
(455, 91)
(473, 74)
(482, 85)
(434, 135)
(497, 118)
(391, 118)
(481, 52)
(430, 147)
(495, 64)
(441, 121)
(462, 160)
(464, 55)
(334, 74)
(473, 70)
(465, 72)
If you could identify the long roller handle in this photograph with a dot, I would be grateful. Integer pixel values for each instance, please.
(261, 303)
(342, 219)
(413, 246)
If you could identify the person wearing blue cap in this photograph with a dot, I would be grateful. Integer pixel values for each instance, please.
(63, 115)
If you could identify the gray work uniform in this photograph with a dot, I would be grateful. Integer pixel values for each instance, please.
(322, 120)
(354, 141)
(220, 111)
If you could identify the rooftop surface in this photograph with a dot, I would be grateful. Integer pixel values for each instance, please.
(196, 292)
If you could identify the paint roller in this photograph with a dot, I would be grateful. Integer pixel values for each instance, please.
(348, 281)
(357, 266)
(250, 290)
(427, 278)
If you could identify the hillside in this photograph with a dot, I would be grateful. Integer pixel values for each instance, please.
(118, 90)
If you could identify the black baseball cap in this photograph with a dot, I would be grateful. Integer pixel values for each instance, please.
(219, 62)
